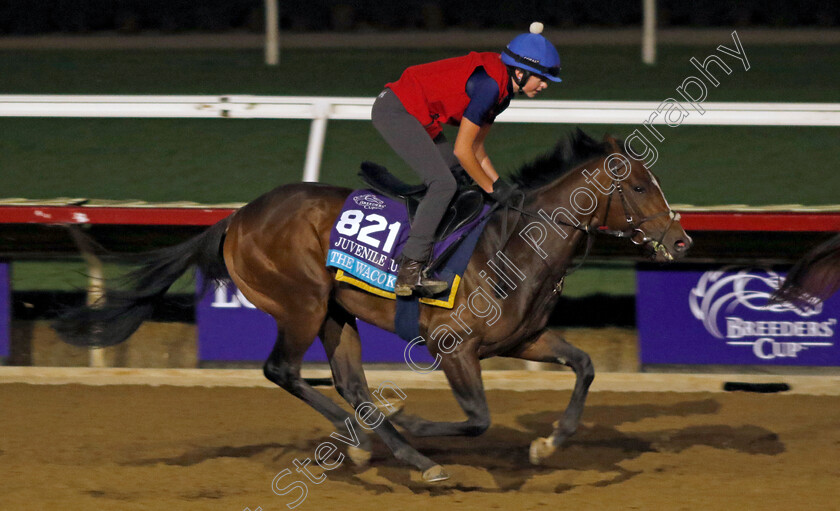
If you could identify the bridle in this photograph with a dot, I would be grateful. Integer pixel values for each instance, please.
(635, 228)
(631, 232)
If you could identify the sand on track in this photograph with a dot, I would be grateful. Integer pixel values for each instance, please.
(132, 447)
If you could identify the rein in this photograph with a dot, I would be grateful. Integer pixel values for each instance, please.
(630, 232)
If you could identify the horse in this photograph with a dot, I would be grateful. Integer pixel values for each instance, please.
(274, 249)
(813, 278)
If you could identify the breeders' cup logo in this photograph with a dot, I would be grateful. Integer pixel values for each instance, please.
(729, 292)
(227, 296)
(369, 201)
(718, 289)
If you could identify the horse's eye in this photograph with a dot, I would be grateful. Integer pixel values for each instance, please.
(638, 189)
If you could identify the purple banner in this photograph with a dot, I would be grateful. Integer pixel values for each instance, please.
(5, 309)
(719, 315)
(230, 328)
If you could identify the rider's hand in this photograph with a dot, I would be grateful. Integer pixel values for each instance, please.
(503, 191)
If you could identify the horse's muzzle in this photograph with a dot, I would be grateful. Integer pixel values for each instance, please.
(682, 245)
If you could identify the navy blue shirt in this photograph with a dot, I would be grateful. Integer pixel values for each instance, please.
(484, 93)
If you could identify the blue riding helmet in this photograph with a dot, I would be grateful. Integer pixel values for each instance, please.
(533, 52)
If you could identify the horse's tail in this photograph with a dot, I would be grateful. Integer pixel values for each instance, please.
(814, 277)
(121, 311)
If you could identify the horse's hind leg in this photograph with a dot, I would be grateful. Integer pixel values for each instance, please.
(551, 347)
(283, 368)
(341, 341)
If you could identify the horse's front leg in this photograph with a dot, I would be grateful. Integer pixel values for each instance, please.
(463, 372)
(551, 347)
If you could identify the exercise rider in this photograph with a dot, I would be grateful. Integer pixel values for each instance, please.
(468, 92)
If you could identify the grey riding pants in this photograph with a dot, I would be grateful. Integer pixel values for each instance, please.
(430, 159)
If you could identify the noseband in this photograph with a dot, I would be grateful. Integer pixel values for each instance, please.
(634, 227)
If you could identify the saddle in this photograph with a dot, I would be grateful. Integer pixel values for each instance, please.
(464, 208)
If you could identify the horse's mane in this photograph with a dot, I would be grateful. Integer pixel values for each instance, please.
(570, 152)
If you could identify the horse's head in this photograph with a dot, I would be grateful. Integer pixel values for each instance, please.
(595, 187)
(636, 207)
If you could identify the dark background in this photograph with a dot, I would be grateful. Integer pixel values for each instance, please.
(80, 16)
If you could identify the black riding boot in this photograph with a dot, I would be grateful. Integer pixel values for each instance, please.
(412, 278)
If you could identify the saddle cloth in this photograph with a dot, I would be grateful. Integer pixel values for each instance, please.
(369, 235)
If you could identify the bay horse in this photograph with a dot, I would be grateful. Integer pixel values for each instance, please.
(275, 248)
(814, 277)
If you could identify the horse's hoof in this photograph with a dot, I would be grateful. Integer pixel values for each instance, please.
(435, 474)
(359, 457)
(541, 448)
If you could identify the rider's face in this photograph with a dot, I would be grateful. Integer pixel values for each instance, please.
(534, 85)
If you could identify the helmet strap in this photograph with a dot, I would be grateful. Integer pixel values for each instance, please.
(520, 82)
(526, 75)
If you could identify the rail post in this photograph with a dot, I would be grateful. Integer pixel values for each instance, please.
(95, 293)
(317, 136)
(649, 32)
(96, 285)
(272, 32)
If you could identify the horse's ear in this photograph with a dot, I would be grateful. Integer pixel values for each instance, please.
(612, 143)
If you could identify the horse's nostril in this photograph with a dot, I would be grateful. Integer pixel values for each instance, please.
(680, 245)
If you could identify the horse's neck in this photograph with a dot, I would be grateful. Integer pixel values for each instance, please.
(547, 262)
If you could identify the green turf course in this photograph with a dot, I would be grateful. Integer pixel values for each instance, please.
(777, 73)
(73, 276)
(236, 160)
(614, 278)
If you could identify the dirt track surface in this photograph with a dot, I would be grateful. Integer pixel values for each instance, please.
(75, 447)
